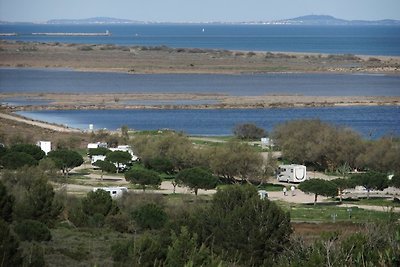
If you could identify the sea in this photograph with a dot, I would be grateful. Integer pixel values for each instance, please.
(360, 40)
(371, 121)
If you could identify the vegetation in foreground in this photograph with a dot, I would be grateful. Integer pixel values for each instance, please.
(233, 227)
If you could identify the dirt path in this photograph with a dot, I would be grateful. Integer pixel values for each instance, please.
(39, 124)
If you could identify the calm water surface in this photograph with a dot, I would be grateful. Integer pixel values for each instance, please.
(362, 40)
(66, 81)
(371, 122)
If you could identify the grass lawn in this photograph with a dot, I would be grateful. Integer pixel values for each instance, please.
(329, 213)
(384, 202)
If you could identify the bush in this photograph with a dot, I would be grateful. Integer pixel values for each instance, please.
(150, 216)
(249, 131)
(31, 230)
(98, 201)
(9, 253)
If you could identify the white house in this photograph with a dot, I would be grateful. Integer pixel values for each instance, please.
(291, 173)
(45, 146)
(115, 192)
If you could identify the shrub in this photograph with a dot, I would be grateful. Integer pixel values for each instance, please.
(150, 216)
(31, 230)
(98, 201)
(249, 131)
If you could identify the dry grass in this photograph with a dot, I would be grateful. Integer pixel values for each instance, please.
(162, 59)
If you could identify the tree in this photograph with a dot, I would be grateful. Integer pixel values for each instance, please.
(184, 250)
(97, 202)
(105, 166)
(31, 230)
(161, 165)
(66, 159)
(197, 178)
(318, 143)
(395, 181)
(382, 155)
(10, 255)
(143, 177)
(150, 216)
(318, 187)
(36, 152)
(341, 184)
(239, 223)
(119, 158)
(371, 181)
(177, 148)
(249, 131)
(236, 160)
(38, 203)
(6, 203)
(16, 160)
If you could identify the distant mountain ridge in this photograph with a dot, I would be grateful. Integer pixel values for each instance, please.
(303, 20)
(330, 20)
(96, 20)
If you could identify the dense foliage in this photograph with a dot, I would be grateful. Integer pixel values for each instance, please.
(249, 131)
(143, 177)
(197, 178)
(66, 159)
(329, 148)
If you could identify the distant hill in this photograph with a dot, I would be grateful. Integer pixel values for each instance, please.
(329, 20)
(96, 20)
(303, 20)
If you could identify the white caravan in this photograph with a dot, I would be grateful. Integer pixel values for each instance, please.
(115, 192)
(292, 173)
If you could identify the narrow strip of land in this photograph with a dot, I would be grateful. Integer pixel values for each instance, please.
(39, 124)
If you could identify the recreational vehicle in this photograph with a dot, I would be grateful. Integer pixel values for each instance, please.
(292, 173)
(115, 192)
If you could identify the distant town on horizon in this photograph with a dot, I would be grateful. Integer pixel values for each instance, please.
(302, 20)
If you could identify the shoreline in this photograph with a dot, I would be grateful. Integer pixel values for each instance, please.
(113, 101)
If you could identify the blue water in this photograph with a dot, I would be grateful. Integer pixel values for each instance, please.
(371, 122)
(66, 81)
(363, 40)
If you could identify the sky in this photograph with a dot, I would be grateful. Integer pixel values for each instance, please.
(196, 10)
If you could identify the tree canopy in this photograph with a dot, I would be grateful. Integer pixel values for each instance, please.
(105, 166)
(371, 181)
(98, 201)
(66, 159)
(249, 131)
(235, 159)
(143, 177)
(318, 187)
(119, 158)
(16, 160)
(197, 178)
(36, 152)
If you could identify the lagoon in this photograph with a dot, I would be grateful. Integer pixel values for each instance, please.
(25, 80)
(371, 122)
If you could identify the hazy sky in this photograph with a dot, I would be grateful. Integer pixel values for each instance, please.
(196, 10)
